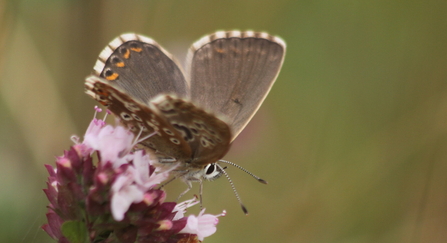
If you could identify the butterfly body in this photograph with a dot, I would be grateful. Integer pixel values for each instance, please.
(194, 117)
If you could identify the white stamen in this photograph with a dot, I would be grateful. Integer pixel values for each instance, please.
(97, 109)
(146, 137)
(107, 113)
(223, 214)
(74, 139)
(139, 140)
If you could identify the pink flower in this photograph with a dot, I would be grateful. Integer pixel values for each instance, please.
(131, 186)
(113, 143)
(91, 135)
(124, 193)
(203, 225)
(180, 209)
(116, 199)
(143, 176)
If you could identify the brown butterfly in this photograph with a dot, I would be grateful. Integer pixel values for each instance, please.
(191, 119)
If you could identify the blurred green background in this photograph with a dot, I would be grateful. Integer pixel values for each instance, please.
(352, 138)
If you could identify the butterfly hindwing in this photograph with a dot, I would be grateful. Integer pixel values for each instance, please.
(136, 116)
(208, 136)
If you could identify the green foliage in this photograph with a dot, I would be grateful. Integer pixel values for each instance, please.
(75, 231)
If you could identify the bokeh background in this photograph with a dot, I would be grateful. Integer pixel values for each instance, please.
(352, 138)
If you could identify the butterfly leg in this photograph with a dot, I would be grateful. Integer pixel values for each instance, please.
(200, 194)
(167, 182)
(182, 173)
(188, 183)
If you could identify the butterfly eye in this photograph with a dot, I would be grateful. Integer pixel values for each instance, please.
(212, 172)
(210, 169)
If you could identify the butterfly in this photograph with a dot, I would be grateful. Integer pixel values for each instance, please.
(192, 117)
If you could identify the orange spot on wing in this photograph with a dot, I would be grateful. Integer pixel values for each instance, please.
(102, 93)
(103, 103)
(126, 54)
(120, 64)
(112, 77)
(136, 49)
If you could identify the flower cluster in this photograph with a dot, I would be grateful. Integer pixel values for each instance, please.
(116, 198)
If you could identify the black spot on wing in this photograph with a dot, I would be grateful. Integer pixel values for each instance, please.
(188, 135)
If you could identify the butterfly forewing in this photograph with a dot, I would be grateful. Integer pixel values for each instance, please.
(231, 73)
(141, 67)
(208, 136)
(136, 116)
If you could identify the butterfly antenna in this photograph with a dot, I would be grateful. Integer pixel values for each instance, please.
(244, 170)
(234, 189)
